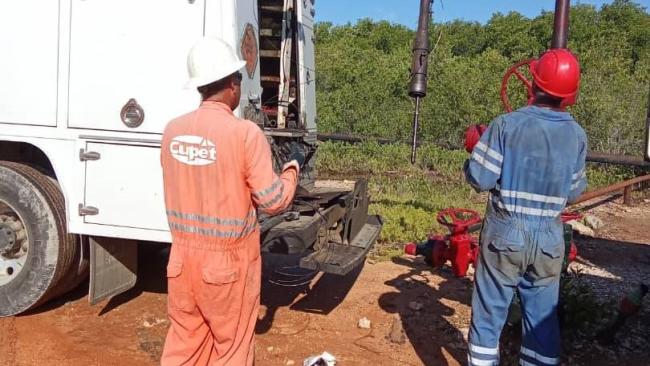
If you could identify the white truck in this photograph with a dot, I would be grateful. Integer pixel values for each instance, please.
(86, 88)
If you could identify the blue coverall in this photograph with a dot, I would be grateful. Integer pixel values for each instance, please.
(532, 161)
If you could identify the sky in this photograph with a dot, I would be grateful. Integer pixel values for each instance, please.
(406, 11)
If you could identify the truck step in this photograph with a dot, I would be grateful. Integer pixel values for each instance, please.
(341, 259)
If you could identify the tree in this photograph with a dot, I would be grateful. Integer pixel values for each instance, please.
(363, 72)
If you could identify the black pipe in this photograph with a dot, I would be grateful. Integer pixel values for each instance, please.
(352, 139)
(615, 159)
(419, 66)
(626, 160)
(420, 61)
(561, 24)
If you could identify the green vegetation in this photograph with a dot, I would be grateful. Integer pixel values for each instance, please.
(407, 196)
(363, 71)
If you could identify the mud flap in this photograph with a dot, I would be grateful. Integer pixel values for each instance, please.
(113, 267)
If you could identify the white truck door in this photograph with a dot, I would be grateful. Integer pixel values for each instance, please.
(122, 50)
(124, 187)
(307, 63)
(29, 32)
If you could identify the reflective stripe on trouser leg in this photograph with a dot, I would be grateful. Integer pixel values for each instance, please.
(482, 356)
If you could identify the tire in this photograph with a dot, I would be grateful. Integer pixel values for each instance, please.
(77, 272)
(51, 254)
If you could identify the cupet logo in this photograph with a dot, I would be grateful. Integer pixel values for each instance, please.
(193, 150)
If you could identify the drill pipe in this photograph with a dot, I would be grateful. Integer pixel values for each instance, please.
(416, 126)
(419, 65)
(561, 24)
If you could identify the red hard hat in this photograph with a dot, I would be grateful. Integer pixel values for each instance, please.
(557, 72)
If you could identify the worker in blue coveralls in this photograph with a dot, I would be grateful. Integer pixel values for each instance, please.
(532, 162)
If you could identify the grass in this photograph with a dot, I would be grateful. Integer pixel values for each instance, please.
(407, 196)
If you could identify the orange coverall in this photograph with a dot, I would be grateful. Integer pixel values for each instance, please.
(217, 169)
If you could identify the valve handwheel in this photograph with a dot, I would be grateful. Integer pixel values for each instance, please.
(514, 70)
(458, 219)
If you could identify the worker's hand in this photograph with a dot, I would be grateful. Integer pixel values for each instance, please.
(473, 135)
(297, 154)
(296, 157)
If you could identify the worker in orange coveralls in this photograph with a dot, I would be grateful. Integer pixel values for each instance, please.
(217, 171)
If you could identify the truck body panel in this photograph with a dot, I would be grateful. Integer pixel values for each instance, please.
(29, 75)
(122, 50)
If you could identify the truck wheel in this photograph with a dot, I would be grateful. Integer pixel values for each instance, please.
(36, 251)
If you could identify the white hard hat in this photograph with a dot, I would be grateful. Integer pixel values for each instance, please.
(211, 59)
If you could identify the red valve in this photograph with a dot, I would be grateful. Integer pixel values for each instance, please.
(473, 135)
(458, 220)
(514, 70)
(567, 216)
(460, 248)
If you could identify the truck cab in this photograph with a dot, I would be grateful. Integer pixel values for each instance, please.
(87, 88)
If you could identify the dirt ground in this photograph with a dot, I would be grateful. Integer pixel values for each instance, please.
(322, 315)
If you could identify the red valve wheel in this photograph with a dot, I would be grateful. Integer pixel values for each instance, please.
(514, 70)
(458, 219)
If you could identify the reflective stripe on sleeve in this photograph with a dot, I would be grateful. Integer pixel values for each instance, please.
(485, 163)
(492, 153)
(273, 200)
(277, 183)
(576, 185)
(579, 175)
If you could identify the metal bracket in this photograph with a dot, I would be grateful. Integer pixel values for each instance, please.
(89, 155)
(88, 210)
